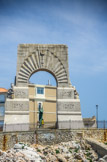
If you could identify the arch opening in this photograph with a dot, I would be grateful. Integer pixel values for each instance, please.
(43, 77)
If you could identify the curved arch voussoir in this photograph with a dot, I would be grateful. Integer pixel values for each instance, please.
(37, 62)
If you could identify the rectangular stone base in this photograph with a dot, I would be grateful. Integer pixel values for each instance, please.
(15, 122)
(68, 120)
(70, 125)
(16, 114)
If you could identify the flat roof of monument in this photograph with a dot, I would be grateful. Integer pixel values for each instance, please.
(43, 45)
(3, 90)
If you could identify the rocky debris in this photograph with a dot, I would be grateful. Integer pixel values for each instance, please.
(20, 153)
(72, 151)
(76, 150)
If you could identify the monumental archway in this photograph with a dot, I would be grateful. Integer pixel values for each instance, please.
(43, 59)
(54, 59)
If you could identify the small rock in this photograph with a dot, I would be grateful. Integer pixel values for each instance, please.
(52, 158)
(61, 158)
(105, 157)
(65, 150)
(102, 160)
(78, 156)
(67, 156)
(18, 146)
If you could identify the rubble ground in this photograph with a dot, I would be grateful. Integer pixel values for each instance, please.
(73, 151)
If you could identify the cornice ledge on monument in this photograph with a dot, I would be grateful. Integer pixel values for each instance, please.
(42, 45)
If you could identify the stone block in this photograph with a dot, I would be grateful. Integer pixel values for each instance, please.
(69, 106)
(17, 105)
(20, 92)
(65, 93)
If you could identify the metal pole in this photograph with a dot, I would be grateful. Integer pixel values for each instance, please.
(104, 124)
(104, 132)
(97, 114)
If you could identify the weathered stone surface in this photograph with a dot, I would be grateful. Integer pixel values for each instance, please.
(99, 147)
(68, 106)
(21, 93)
(47, 57)
(17, 105)
(65, 93)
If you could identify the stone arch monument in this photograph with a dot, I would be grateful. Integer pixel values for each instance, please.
(54, 59)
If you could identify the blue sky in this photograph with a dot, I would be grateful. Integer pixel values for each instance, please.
(80, 24)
